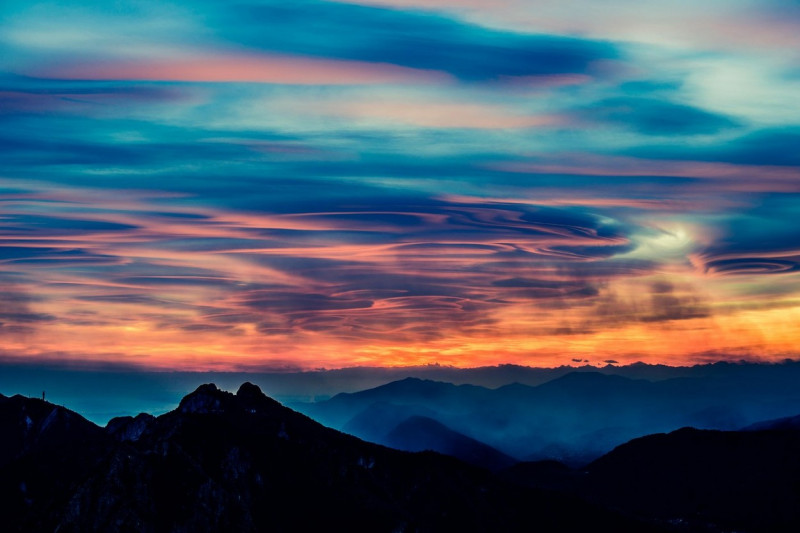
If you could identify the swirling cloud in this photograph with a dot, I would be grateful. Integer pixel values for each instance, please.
(397, 182)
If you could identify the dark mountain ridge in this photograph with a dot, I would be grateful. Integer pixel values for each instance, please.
(696, 480)
(243, 462)
(44, 450)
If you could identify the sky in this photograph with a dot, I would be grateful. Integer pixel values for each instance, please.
(202, 185)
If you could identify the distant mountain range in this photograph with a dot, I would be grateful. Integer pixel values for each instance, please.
(420, 433)
(574, 418)
(110, 390)
(243, 462)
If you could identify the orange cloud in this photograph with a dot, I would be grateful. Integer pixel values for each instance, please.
(461, 282)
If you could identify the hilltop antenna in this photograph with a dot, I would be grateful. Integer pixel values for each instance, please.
(43, 396)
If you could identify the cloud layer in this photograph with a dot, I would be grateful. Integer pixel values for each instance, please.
(397, 182)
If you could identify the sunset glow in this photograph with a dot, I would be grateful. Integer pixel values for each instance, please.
(197, 185)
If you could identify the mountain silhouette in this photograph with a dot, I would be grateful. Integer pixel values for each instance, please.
(44, 450)
(689, 479)
(735, 480)
(788, 422)
(421, 393)
(380, 418)
(419, 433)
(106, 391)
(243, 462)
(576, 417)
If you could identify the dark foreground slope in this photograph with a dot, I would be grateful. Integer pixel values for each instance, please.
(44, 451)
(697, 480)
(224, 462)
(735, 480)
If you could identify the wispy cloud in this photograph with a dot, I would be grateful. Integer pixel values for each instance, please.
(244, 68)
(397, 182)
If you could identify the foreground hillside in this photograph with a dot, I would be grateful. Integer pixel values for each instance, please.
(696, 480)
(243, 462)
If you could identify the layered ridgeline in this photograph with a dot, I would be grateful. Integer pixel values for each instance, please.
(103, 392)
(574, 418)
(243, 462)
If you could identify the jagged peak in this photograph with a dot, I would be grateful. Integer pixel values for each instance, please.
(206, 388)
(252, 398)
(249, 390)
(209, 399)
(206, 398)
